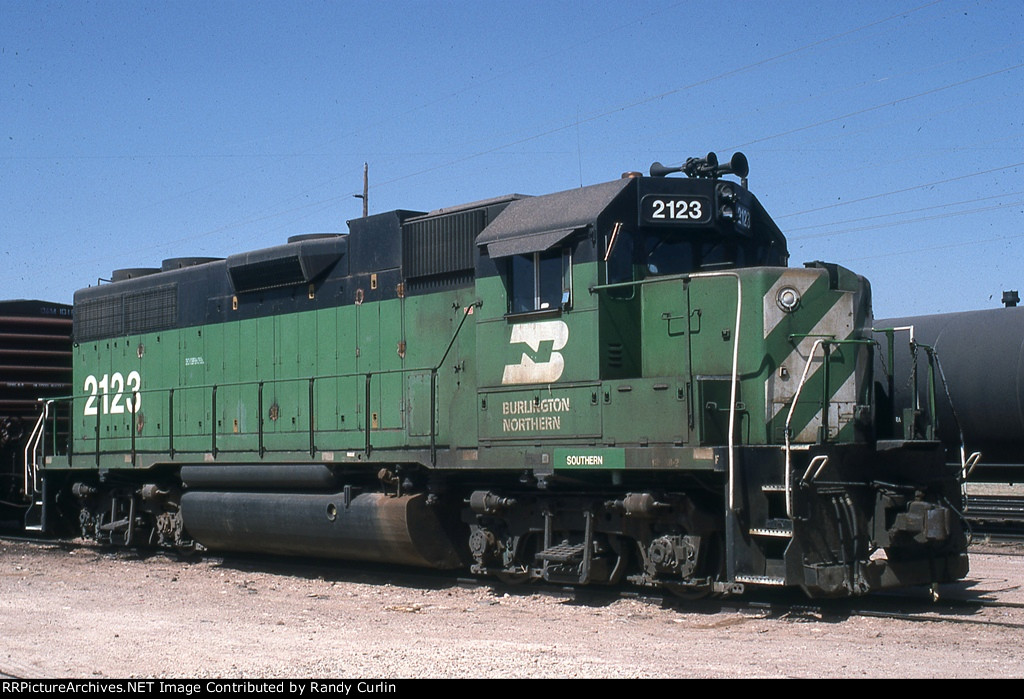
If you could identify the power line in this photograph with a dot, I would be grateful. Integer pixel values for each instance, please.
(908, 221)
(662, 95)
(789, 104)
(916, 251)
(894, 213)
(322, 204)
(900, 191)
(879, 106)
(574, 124)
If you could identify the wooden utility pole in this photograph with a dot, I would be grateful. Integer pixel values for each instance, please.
(366, 190)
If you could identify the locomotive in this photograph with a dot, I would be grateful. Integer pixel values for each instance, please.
(35, 362)
(623, 382)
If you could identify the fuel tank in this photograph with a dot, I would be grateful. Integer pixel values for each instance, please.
(404, 530)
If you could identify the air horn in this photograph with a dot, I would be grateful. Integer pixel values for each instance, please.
(707, 167)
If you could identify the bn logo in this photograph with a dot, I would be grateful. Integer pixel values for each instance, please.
(544, 362)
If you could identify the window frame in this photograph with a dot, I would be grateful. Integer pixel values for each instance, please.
(517, 300)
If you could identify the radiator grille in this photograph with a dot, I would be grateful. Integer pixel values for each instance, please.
(439, 251)
(130, 313)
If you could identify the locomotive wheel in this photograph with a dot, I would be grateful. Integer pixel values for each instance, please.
(521, 573)
(689, 593)
(711, 569)
(517, 578)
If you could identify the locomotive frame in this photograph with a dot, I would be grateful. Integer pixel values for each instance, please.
(618, 382)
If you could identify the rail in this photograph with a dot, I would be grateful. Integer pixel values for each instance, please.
(818, 463)
(32, 444)
(967, 462)
(789, 419)
(170, 442)
(909, 431)
(734, 380)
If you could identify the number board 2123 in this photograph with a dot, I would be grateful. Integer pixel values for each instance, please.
(660, 208)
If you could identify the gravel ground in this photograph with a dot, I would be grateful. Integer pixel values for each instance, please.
(76, 611)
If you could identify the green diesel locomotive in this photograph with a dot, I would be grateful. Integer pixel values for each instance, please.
(618, 383)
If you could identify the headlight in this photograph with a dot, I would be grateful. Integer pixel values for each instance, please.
(788, 299)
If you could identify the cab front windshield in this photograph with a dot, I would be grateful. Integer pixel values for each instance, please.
(639, 255)
(663, 255)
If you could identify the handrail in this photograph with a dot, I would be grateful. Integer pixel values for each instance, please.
(968, 464)
(890, 340)
(31, 448)
(734, 378)
(819, 462)
(174, 392)
(789, 418)
(933, 366)
(815, 468)
(734, 386)
(310, 381)
(433, 380)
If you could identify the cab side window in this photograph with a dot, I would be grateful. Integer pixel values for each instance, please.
(540, 281)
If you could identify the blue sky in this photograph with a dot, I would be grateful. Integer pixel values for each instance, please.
(885, 136)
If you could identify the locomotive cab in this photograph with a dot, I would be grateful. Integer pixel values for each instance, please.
(648, 331)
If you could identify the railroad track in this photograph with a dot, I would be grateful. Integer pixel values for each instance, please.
(953, 607)
(999, 516)
(1000, 508)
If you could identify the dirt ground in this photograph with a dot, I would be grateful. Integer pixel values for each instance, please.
(75, 611)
